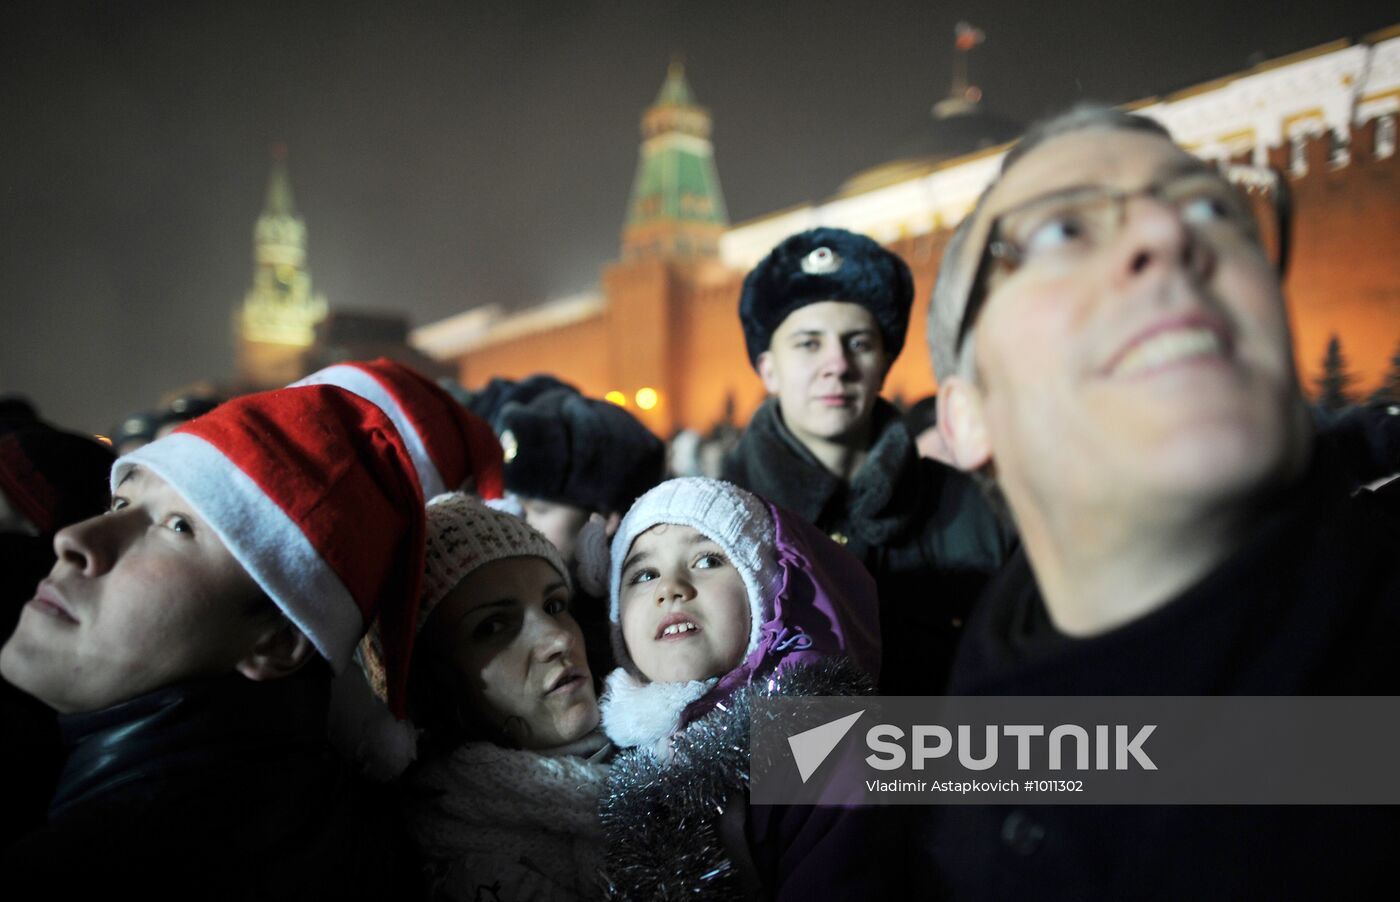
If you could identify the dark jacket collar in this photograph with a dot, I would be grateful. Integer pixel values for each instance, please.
(881, 500)
(187, 728)
(1280, 615)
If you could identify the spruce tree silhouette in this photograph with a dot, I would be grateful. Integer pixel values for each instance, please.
(1389, 389)
(1334, 385)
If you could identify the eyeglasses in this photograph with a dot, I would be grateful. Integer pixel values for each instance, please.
(1235, 204)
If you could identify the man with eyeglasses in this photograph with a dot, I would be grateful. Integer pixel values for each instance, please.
(1115, 365)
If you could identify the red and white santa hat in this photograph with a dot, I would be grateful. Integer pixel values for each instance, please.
(448, 443)
(315, 492)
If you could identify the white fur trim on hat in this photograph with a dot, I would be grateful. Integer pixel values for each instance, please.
(507, 504)
(734, 519)
(359, 382)
(641, 713)
(260, 536)
(360, 727)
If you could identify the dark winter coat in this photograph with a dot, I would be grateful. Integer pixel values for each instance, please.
(1311, 606)
(1364, 439)
(30, 751)
(50, 478)
(923, 530)
(211, 789)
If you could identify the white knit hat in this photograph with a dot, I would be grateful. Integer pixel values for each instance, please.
(735, 520)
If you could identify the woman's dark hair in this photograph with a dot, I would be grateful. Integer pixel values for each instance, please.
(435, 705)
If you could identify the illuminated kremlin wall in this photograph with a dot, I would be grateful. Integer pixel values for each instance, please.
(1327, 117)
(1345, 278)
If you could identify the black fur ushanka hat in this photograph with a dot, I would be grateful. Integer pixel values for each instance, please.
(826, 265)
(567, 448)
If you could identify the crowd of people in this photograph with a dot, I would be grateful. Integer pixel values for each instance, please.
(364, 636)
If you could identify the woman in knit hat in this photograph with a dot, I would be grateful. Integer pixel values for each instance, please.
(718, 598)
(505, 795)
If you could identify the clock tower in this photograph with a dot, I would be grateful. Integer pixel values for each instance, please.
(676, 211)
(277, 322)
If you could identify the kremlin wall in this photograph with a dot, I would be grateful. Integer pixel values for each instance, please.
(664, 317)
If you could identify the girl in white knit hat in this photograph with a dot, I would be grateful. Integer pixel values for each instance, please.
(717, 598)
(503, 803)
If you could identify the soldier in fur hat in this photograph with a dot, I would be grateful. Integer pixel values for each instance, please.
(824, 316)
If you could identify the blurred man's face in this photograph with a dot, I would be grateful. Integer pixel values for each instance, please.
(1154, 365)
(141, 597)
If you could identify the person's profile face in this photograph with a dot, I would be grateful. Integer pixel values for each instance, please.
(141, 597)
(825, 364)
(1157, 363)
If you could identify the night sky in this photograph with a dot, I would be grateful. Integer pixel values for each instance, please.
(451, 154)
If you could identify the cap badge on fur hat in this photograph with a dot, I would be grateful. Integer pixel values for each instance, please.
(822, 265)
(821, 261)
(586, 452)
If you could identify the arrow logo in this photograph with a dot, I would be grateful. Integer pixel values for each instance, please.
(810, 747)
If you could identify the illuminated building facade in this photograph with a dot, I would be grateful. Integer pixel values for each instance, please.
(665, 317)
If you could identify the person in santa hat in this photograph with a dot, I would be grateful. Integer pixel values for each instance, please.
(188, 639)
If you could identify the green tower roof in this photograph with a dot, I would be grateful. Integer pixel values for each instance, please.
(676, 187)
(675, 90)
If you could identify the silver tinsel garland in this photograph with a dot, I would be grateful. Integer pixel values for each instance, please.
(661, 819)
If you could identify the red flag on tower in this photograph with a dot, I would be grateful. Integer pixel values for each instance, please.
(968, 36)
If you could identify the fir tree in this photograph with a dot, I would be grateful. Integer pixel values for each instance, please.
(1334, 385)
(1389, 389)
